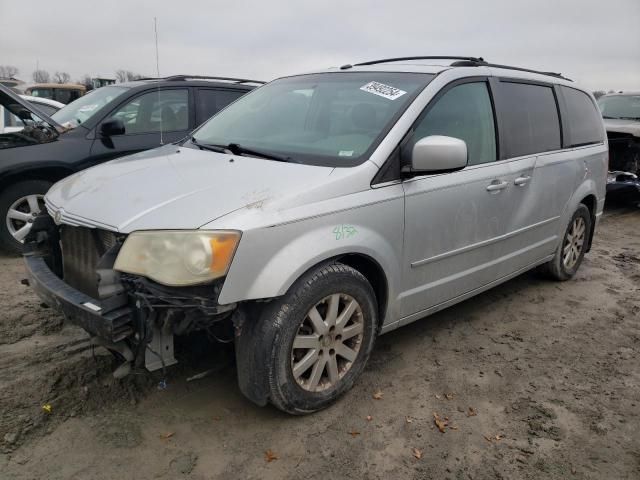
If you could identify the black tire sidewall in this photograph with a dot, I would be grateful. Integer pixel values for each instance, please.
(581, 211)
(336, 278)
(8, 196)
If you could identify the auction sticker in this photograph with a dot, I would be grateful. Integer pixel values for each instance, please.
(383, 90)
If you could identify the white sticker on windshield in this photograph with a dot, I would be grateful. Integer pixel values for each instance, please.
(383, 90)
(345, 153)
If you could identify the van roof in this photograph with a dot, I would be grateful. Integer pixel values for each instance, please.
(438, 64)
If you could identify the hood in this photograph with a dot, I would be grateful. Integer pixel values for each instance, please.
(14, 103)
(622, 126)
(174, 188)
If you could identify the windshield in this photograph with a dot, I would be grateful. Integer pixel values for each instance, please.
(332, 119)
(620, 106)
(82, 109)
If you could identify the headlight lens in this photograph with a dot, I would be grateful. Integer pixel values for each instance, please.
(178, 258)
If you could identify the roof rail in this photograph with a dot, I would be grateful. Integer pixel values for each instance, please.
(459, 62)
(520, 69)
(175, 78)
(398, 59)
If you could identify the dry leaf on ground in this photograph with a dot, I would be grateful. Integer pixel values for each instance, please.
(417, 453)
(378, 395)
(166, 436)
(449, 396)
(472, 412)
(354, 433)
(408, 419)
(440, 423)
(270, 456)
(369, 418)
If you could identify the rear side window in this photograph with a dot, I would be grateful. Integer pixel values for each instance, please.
(530, 117)
(211, 101)
(584, 123)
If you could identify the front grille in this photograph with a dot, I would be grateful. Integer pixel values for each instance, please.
(82, 248)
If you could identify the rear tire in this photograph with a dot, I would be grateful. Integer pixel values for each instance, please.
(18, 202)
(570, 252)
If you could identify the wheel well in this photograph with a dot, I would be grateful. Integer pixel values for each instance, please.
(374, 273)
(50, 174)
(590, 202)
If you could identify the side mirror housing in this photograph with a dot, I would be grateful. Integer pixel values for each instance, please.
(437, 153)
(112, 126)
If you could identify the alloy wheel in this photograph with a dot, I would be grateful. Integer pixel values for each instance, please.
(573, 243)
(327, 342)
(21, 215)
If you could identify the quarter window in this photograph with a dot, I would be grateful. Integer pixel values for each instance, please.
(463, 112)
(211, 101)
(584, 120)
(530, 117)
(166, 110)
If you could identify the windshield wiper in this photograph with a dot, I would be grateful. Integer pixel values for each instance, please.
(606, 117)
(206, 146)
(629, 118)
(238, 149)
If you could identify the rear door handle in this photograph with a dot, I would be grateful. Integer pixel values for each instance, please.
(520, 181)
(497, 185)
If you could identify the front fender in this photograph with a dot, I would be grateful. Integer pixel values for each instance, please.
(269, 260)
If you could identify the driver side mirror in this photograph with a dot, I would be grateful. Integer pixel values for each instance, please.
(112, 126)
(437, 153)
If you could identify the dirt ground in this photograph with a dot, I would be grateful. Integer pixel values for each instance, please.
(533, 379)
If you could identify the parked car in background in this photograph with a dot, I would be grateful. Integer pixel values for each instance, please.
(621, 113)
(60, 92)
(321, 210)
(13, 83)
(104, 124)
(11, 123)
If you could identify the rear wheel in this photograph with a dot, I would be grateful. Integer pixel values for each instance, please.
(571, 250)
(20, 203)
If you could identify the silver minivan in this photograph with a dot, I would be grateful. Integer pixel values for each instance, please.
(322, 210)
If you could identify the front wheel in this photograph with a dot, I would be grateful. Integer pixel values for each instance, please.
(319, 335)
(571, 250)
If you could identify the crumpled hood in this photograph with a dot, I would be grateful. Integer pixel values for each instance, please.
(174, 188)
(622, 126)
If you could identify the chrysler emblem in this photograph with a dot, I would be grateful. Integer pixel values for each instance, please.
(57, 217)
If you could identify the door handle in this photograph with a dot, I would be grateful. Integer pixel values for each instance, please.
(520, 181)
(497, 185)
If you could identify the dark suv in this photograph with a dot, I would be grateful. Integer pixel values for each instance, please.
(109, 122)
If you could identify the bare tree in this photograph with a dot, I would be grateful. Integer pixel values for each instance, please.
(41, 76)
(127, 76)
(61, 77)
(8, 71)
(86, 81)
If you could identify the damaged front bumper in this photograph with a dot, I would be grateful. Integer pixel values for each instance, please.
(623, 186)
(113, 324)
(71, 270)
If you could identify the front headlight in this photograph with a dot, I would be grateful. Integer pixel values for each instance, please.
(178, 258)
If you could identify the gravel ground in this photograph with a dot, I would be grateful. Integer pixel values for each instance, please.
(533, 379)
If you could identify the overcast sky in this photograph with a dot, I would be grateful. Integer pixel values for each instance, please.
(596, 42)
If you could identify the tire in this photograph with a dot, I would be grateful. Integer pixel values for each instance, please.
(8, 198)
(292, 388)
(557, 268)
